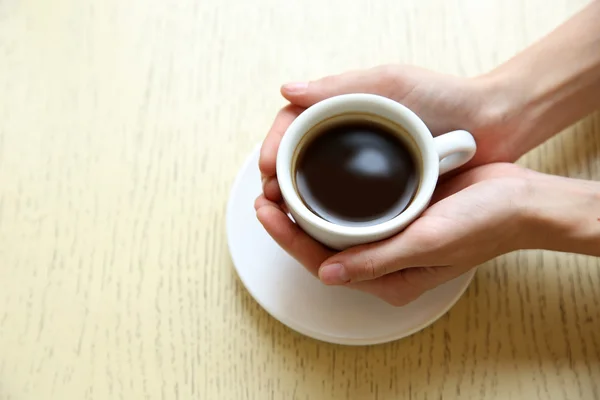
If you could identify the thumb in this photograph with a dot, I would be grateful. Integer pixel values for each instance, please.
(379, 80)
(374, 260)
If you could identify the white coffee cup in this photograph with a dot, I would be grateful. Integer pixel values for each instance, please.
(437, 156)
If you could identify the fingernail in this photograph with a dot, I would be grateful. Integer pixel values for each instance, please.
(334, 274)
(296, 87)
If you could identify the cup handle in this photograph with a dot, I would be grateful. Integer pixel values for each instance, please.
(454, 149)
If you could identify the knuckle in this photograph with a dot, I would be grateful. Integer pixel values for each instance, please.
(370, 262)
(364, 270)
(370, 271)
(329, 81)
(371, 266)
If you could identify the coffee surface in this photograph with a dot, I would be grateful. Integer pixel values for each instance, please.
(356, 174)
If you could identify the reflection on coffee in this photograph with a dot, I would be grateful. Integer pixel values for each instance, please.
(356, 172)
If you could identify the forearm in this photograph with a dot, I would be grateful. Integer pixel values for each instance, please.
(563, 215)
(551, 84)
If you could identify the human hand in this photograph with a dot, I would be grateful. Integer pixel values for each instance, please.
(476, 216)
(444, 102)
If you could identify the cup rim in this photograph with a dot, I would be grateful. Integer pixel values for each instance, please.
(358, 102)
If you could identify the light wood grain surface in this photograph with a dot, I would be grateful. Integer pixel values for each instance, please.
(122, 127)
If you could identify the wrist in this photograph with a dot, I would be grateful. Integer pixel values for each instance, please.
(505, 112)
(525, 109)
(549, 86)
(562, 214)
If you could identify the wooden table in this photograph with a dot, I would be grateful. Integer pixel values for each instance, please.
(122, 127)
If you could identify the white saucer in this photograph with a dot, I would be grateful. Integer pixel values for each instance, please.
(293, 296)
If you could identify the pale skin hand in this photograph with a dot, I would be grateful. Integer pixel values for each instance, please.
(476, 216)
(444, 102)
(473, 220)
(509, 111)
(550, 85)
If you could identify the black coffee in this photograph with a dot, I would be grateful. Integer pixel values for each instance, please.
(356, 173)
